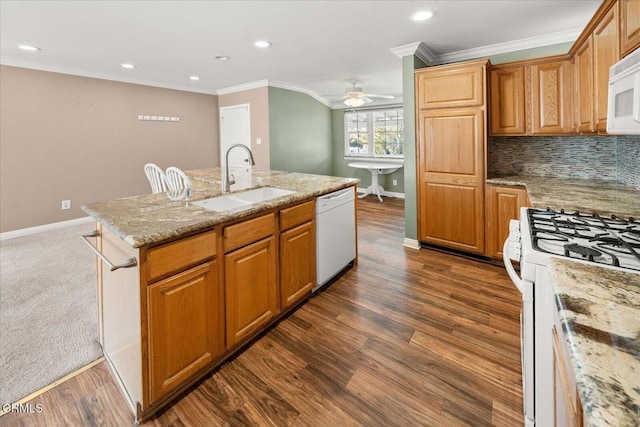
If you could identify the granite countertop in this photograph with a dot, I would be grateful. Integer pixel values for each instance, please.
(153, 218)
(600, 312)
(604, 197)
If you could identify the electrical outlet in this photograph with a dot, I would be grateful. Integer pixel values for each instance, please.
(66, 204)
(395, 182)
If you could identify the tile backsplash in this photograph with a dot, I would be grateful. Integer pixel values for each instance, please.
(609, 158)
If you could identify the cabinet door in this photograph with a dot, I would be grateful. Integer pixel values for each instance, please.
(297, 263)
(185, 333)
(450, 86)
(508, 101)
(251, 289)
(551, 97)
(451, 171)
(583, 72)
(629, 26)
(605, 54)
(568, 408)
(503, 205)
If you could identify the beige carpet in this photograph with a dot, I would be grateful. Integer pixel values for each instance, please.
(48, 323)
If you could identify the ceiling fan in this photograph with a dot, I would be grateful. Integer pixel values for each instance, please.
(355, 97)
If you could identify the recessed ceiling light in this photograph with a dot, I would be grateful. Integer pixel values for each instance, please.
(223, 58)
(422, 15)
(262, 43)
(195, 78)
(29, 48)
(128, 66)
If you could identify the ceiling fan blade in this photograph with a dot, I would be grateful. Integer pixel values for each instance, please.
(371, 95)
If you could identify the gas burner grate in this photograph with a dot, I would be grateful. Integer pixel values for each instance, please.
(609, 240)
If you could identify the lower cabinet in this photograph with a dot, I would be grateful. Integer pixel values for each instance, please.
(567, 406)
(297, 263)
(503, 204)
(184, 314)
(250, 289)
(191, 302)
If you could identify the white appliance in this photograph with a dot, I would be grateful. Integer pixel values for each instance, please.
(540, 235)
(335, 234)
(623, 112)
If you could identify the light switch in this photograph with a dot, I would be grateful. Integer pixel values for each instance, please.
(258, 141)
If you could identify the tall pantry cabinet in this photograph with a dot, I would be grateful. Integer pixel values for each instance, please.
(451, 117)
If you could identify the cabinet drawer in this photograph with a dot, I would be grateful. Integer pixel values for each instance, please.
(238, 235)
(296, 215)
(177, 256)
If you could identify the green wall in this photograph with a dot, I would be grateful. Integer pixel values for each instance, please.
(340, 167)
(409, 64)
(538, 52)
(300, 138)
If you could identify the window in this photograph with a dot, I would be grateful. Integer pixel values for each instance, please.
(374, 133)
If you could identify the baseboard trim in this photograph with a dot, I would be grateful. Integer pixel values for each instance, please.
(46, 227)
(54, 384)
(385, 194)
(411, 243)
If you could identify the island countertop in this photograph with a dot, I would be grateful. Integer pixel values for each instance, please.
(154, 218)
(603, 197)
(600, 312)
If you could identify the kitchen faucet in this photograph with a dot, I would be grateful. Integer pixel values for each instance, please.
(228, 178)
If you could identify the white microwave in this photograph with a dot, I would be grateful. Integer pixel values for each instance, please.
(623, 113)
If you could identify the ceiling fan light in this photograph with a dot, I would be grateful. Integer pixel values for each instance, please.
(354, 102)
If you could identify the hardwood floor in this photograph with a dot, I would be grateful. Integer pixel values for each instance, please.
(404, 338)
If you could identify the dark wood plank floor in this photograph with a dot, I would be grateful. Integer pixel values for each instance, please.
(405, 338)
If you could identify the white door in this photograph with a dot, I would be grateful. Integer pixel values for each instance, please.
(235, 128)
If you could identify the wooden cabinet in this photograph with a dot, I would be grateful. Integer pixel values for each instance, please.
(567, 405)
(531, 98)
(508, 110)
(551, 97)
(629, 26)
(583, 74)
(450, 86)
(251, 288)
(184, 311)
(185, 334)
(503, 205)
(605, 53)
(190, 303)
(297, 253)
(451, 159)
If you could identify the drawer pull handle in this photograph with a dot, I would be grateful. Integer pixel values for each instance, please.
(131, 262)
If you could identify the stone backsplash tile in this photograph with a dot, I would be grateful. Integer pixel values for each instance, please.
(629, 160)
(609, 158)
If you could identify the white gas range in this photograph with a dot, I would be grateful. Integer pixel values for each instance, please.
(541, 234)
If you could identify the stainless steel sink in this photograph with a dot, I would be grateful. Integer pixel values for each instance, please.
(242, 199)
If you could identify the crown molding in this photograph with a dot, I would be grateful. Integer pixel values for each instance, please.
(423, 52)
(300, 89)
(82, 73)
(508, 47)
(418, 49)
(273, 83)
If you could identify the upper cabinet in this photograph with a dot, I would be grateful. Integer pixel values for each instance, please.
(507, 101)
(583, 72)
(450, 87)
(629, 26)
(531, 97)
(569, 93)
(597, 49)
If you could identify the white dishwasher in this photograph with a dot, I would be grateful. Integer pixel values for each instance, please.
(335, 234)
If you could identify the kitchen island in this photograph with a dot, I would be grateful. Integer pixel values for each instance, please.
(599, 313)
(597, 310)
(202, 283)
